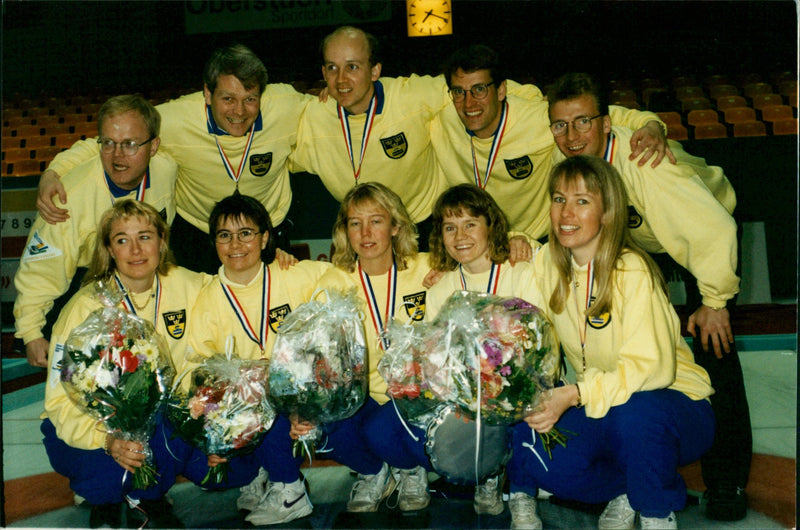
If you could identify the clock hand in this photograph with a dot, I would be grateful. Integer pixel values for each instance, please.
(437, 16)
(427, 14)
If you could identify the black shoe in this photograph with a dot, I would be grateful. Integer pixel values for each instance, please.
(153, 514)
(106, 514)
(725, 503)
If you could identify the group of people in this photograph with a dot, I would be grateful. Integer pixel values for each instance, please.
(479, 168)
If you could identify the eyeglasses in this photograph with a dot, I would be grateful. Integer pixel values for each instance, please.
(479, 91)
(580, 124)
(245, 235)
(129, 147)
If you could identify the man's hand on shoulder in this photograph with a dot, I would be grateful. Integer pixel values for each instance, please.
(50, 185)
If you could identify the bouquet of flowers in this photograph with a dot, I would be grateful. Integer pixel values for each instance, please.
(401, 368)
(226, 410)
(493, 356)
(318, 366)
(117, 369)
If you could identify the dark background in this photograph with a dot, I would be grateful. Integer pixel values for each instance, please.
(113, 47)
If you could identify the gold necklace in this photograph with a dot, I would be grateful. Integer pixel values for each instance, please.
(146, 300)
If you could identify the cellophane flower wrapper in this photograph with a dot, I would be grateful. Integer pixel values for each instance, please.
(117, 369)
(401, 368)
(226, 410)
(505, 343)
(318, 369)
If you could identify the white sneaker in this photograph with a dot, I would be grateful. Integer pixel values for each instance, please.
(369, 490)
(523, 512)
(618, 515)
(412, 489)
(252, 493)
(281, 503)
(659, 523)
(489, 497)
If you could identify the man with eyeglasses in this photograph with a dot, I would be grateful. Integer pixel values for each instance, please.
(236, 134)
(679, 212)
(501, 142)
(125, 166)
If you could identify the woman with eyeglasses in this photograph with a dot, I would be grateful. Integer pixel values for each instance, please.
(640, 406)
(132, 251)
(248, 299)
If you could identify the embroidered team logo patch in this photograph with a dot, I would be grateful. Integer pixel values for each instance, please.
(176, 323)
(260, 164)
(600, 321)
(39, 249)
(395, 146)
(634, 219)
(519, 168)
(415, 305)
(277, 316)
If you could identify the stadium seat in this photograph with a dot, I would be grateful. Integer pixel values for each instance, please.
(787, 88)
(35, 142)
(766, 100)
(38, 111)
(749, 78)
(621, 94)
(749, 128)
(739, 115)
(717, 91)
(683, 80)
(786, 126)
(686, 92)
(709, 131)
(16, 121)
(16, 154)
(627, 103)
(702, 116)
(56, 129)
(45, 121)
(9, 113)
(752, 89)
(652, 82)
(87, 128)
(792, 100)
(670, 118)
(649, 92)
(677, 132)
(776, 112)
(729, 102)
(25, 168)
(65, 141)
(78, 117)
(716, 79)
(25, 131)
(694, 104)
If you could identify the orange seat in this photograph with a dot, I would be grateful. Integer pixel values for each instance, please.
(702, 116)
(717, 91)
(25, 168)
(752, 89)
(652, 82)
(776, 112)
(787, 88)
(45, 121)
(74, 119)
(739, 115)
(750, 78)
(695, 104)
(35, 142)
(16, 121)
(686, 92)
(716, 79)
(670, 118)
(749, 128)
(38, 111)
(25, 131)
(11, 113)
(66, 140)
(15, 154)
(710, 130)
(677, 132)
(627, 103)
(793, 100)
(648, 92)
(787, 126)
(56, 129)
(683, 80)
(620, 94)
(780, 77)
(46, 154)
(729, 102)
(766, 100)
(87, 128)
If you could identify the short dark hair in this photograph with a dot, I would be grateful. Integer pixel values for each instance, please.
(239, 61)
(473, 58)
(373, 46)
(574, 85)
(472, 200)
(238, 206)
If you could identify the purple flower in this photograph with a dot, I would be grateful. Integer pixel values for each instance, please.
(505, 370)
(494, 353)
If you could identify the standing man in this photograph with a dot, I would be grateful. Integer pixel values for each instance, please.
(124, 166)
(501, 142)
(234, 135)
(372, 129)
(683, 210)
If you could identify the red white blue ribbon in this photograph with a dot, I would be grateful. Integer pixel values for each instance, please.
(259, 338)
(127, 301)
(372, 303)
(234, 175)
(583, 322)
(140, 190)
(348, 139)
(494, 279)
(611, 148)
(493, 152)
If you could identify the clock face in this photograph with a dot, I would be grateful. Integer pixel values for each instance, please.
(429, 17)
